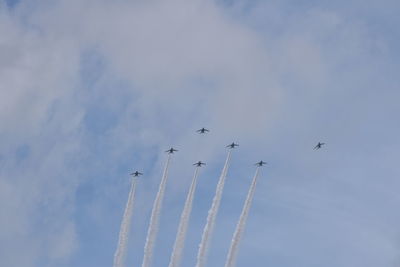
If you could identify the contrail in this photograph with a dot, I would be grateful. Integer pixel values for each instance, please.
(183, 224)
(233, 250)
(120, 253)
(155, 218)
(212, 214)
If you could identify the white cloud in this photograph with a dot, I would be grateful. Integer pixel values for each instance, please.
(163, 69)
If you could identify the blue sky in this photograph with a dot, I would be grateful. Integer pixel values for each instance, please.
(91, 90)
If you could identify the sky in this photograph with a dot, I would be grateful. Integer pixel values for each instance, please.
(92, 90)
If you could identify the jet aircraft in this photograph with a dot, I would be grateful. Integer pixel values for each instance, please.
(261, 163)
(319, 145)
(136, 174)
(232, 145)
(202, 130)
(171, 150)
(199, 163)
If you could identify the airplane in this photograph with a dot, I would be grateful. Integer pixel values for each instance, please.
(136, 174)
(319, 145)
(198, 164)
(171, 150)
(261, 163)
(232, 145)
(202, 130)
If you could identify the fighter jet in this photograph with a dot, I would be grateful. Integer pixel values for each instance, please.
(199, 163)
(260, 164)
(136, 174)
(171, 150)
(202, 130)
(319, 145)
(232, 145)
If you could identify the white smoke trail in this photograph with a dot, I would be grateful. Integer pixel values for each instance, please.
(120, 253)
(155, 218)
(183, 224)
(212, 214)
(233, 250)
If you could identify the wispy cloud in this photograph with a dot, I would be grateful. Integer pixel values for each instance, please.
(88, 89)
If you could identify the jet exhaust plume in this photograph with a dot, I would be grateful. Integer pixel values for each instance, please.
(155, 218)
(233, 250)
(212, 214)
(120, 253)
(183, 224)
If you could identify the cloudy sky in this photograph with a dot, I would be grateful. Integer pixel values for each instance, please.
(91, 90)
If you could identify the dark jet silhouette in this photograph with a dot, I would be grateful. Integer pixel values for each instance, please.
(171, 150)
(136, 174)
(199, 163)
(202, 130)
(260, 164)
(319, 145)
(232, 145)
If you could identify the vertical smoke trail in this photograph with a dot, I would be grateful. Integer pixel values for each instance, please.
(212, 214)
(233, 250)
(183, 224)
(120, 253)
(155, 218)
